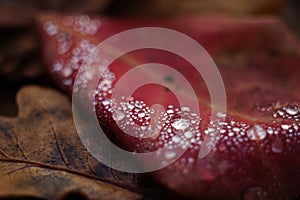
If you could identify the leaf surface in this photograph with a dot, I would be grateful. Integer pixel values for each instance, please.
(42, 156)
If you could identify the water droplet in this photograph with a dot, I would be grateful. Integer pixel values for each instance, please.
(292, 109)
(270, 130)
(251, 134)
(185, 109)
(58, 65)
(51, 28)
(194, 121)
(118, 115)
(170, 155)
(188, 134)
(210, 130)
(256, 133)
(66, 72)
(130, 106)
(236, 129)
(285, 126)
(141, 115)
(67, 81)
(277, 145)
(280, 112)
(230, 134)
(222, 131)
(176, 139)
(170, 111)
(296, 127)
(106, 102)
(255, 193)
(180, 124)
(221, 114)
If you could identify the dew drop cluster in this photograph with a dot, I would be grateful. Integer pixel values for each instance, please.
(76, 50)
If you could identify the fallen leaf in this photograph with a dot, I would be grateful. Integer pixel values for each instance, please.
(255, 156)
(41, 155)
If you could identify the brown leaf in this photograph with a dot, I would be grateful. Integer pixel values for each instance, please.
(41, 155)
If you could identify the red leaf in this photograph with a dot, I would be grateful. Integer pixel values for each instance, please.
(256, 155)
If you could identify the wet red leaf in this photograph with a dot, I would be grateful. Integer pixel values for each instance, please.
(256, 155)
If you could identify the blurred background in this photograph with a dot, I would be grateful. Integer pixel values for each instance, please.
(20, 56)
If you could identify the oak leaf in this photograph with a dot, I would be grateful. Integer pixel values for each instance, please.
(41, 155)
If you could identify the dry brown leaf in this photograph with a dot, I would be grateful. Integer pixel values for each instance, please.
(41, 155)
